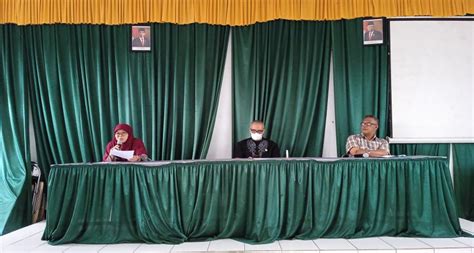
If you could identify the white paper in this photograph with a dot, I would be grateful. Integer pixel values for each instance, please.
(125, 154)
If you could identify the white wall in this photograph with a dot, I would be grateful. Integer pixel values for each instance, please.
(330, 144)
(33, 153)
(221, 141)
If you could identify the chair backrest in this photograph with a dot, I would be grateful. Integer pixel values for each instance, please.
(35, 170)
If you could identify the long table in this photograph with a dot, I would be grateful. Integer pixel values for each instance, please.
(255, 201)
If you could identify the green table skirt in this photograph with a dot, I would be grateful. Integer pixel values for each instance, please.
(255, 201)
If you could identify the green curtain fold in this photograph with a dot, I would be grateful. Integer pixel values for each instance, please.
(463, 170)
(86, 79)
(361, 80)
(420, 149)
(463, 159)
(15, 168)
(253, 201)
(280, 74)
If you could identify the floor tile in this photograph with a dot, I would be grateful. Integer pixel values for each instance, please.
(120, 248)
(297, 245)
(191, 246)
(23, 233)
(442, 242)
(265, 247)
(373, 243)
(28, 240)
(334, 244)
(458, 250)
(226, 245)
(81, 248)
(154, 248)
(466, 241)
(14, 250)
(376, 251)
(28, 243)
(408, 245)
(467, 225)
(46, 248)
(329, 251)
(415, 251)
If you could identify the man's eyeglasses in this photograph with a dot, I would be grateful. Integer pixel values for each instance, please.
(256, 131)
(368, 124)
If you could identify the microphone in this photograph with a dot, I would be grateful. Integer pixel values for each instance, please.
(144, 158)
(119, 143)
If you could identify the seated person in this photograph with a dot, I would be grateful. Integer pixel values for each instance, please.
(367, 144)
(256, 146)
(123, 140)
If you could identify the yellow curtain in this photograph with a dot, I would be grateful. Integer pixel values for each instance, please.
(222, 12)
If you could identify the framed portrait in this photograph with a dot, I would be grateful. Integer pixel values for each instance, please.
(372, 30)
(141, 38)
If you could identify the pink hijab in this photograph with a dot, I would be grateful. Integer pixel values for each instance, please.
(132, 143)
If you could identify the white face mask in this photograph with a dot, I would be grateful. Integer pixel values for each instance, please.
(256, 136)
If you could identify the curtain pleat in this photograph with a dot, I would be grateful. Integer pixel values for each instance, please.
(281, 76)
(463, 170)
(15, 166)
(463, 165)
(236, 12)
(432, 149)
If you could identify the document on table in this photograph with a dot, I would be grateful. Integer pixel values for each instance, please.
(125, 154)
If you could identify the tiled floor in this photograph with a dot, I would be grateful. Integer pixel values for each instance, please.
(29, 240)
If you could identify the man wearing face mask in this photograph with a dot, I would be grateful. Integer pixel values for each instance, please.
(256, 146)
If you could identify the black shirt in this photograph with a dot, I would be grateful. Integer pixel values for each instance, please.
(256, 149)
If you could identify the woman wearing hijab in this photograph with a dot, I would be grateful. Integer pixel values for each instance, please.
(123, 140)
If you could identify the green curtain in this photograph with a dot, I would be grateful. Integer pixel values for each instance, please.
(15, 168)
(280, 72)
(86, 79)
(420, 149)
(255, 201)
(361, 80)
(463, 156)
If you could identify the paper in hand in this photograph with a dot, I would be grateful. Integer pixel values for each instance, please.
(125, 154)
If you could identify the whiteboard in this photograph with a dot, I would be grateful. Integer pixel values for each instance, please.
(432, 94)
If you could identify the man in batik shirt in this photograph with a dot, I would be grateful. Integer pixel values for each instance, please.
(256, 146)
